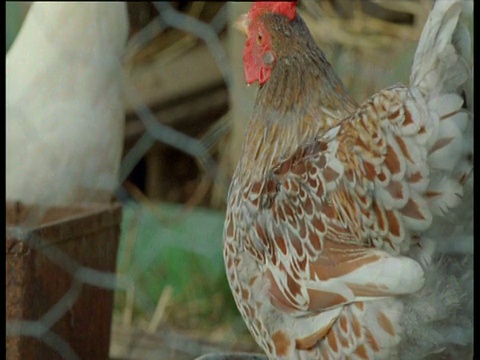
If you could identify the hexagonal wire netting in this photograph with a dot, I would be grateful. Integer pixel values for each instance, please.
(186, 107)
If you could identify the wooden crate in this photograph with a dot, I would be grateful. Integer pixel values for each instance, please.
(41, 289)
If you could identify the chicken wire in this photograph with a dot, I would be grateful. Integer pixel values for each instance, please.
(157, 132)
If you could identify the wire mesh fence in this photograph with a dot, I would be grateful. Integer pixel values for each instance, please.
(186, 108)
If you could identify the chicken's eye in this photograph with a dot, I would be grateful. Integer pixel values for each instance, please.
(259, 37)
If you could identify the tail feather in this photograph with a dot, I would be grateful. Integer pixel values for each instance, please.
(442, 73)
(437, 321)
(440, 65)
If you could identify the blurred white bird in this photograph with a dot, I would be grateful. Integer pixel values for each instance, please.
(64, 108)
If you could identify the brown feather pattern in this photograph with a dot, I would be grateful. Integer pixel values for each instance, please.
(327, 191)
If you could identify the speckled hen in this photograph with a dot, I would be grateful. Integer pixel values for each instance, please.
(345, 221)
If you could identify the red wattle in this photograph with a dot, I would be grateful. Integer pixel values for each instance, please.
(250, 68)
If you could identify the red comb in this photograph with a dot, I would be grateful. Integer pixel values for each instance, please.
(287, 9)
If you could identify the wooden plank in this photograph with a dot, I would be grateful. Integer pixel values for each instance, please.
(160, 82)
(191, 115)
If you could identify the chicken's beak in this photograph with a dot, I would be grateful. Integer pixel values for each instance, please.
(242, 24)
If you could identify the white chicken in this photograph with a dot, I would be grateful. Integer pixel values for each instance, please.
(64, 108)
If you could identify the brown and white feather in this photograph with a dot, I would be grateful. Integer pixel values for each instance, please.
(331, 204)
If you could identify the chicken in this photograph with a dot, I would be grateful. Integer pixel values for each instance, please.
(64, 107)
(342, 223)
